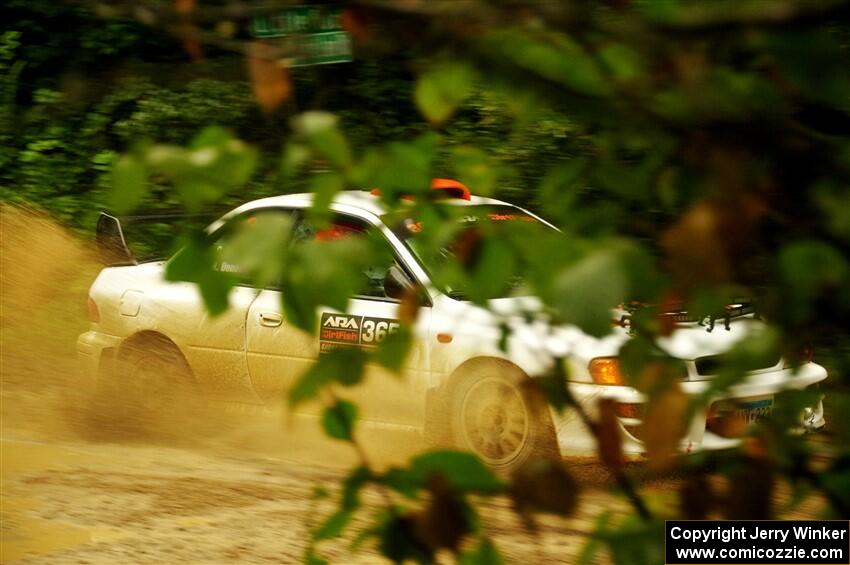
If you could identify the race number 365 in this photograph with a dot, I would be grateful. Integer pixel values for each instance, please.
(375, 330)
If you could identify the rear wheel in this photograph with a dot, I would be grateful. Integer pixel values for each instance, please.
(501, 416)
(150, 393)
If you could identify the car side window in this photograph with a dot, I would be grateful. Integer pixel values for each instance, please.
(245, 244)
(341, 226)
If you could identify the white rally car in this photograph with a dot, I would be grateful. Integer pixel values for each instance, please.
(460, 383)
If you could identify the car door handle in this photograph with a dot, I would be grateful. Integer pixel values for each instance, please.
(270, 319)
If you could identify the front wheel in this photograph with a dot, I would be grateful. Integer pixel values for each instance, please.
(502, 417)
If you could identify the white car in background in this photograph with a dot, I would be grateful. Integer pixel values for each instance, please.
(458, 385)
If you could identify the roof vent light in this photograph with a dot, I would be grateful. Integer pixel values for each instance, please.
(449, 187)
(452, 188)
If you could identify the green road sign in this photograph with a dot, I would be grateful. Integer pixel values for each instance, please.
(310, 35)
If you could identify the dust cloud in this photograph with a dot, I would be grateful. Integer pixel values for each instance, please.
(79, 486)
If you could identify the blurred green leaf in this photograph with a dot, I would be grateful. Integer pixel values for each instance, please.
(760, 348)
(338, 420)
(324, 187)
(558, 188)
(554, 386)
(811, 271)
(343, 365)
(398, 540)
(634, 541)
(721, 95)
(309, 124)
(129, 184)
(400, 168)
(214, 163)
(313, 559)
(323, 273)
(442, 88)
(475, 168)
(815, 63)
(211, 136)
(319, 131)
(494, 271)
(333, 526)
(594, 542)
(621, 61)
(584, 293)
(789, 405)
(446, 518)
(485, 553)
(556, 57)
(194, 263)
(295, 156)
(258, 248)
(350, 499)
(463, 471)
(544, 485)
(393, 351)
(833, 200)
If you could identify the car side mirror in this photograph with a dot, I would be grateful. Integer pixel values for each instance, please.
(396, 283)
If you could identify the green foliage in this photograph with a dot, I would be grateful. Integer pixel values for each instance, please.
(486, 553)
(399, 543)
(338, 420)
(690, 152)
(194, 263)
(463, 471)
(759, 349)
(319, 131)
(393, 351)
(442, 88)
(322, 274)
(128, 184)
(343, 366)
(213, 164)
(399, 168)
(544, 485)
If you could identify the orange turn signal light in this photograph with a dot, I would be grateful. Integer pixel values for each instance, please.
(606, 371)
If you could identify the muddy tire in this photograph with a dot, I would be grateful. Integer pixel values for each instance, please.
(501, 416)
(150, 392)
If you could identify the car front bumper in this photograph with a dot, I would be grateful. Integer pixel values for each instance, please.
(574, 438)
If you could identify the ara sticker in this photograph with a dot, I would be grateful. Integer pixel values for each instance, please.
(340, 330)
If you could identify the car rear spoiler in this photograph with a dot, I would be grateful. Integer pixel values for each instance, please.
(112, 248)
(112, 245)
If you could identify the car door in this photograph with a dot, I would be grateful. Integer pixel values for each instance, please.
(216, 345)
(279, 353)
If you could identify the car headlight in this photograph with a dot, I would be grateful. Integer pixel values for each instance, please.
(606, 371)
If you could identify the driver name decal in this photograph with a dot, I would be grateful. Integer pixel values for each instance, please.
(341, 330)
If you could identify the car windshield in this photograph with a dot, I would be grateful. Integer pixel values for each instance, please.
(450, 253)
